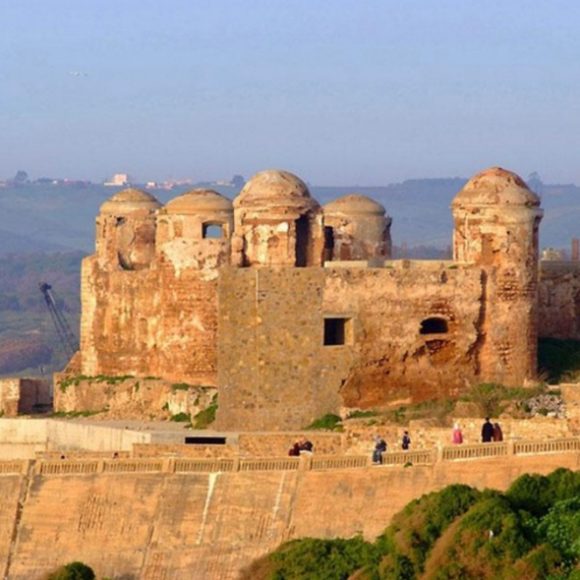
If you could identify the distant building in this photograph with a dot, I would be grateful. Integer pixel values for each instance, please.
(118, 180)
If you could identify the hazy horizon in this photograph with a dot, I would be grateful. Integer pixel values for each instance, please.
(338, 92)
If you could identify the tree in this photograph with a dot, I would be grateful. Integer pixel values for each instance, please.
(21, 176)
(73, 571)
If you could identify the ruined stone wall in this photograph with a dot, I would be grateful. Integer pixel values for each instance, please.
(275, 372)
(559, 300)
(158, 322)
(23, 396)
(158, 526)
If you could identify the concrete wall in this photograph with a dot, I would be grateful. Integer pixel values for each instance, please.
(208, 526)
(22, 438)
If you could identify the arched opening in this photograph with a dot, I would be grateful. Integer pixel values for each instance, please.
(434, 325)
(212, 231)
(302, 238)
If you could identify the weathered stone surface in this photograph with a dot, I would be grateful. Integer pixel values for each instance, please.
(248, 309)
(23, 396)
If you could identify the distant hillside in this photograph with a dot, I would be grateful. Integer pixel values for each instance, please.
(59, 217)
(28, 340)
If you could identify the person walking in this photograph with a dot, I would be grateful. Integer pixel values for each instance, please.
(457, 435)
(487, 431)
(406, 441)
(497, 432)
(380, 448)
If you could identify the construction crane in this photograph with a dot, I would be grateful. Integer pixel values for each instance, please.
(67, 338)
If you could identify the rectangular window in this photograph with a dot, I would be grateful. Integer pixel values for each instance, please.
(337, 331)
(205, 440)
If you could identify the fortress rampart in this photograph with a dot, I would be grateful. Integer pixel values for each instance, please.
(161, 519)
(293, 310)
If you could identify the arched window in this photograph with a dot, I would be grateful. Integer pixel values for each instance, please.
(434, 325)
(212, 231)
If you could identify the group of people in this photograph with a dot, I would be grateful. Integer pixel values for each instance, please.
(301, 446)
(490, 432)
(381, 447)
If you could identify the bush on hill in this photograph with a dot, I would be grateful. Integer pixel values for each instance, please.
(532, 531)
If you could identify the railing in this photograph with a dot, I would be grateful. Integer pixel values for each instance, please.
(546, 446)
(64, 467)
(132, 465)
(425, 456)
(269, 464)
(193, 465)
(338, 461)
(303, 463)
(13, 467)
(479, 451)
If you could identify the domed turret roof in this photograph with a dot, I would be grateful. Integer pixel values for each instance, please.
(128, 201)
(496, 186)
(355, 203)
(274, 188)
(199, 201)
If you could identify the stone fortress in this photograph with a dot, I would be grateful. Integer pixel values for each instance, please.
(294, 310)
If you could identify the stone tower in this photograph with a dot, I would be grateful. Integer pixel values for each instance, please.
(356, 228)
(496, 218)
(194, 230)
(277, 223)
(126, 230)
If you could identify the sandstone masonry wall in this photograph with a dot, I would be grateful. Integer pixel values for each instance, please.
(275, 372)
(177, 526)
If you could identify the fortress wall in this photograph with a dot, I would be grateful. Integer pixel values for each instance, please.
(275, 372)
(208, 526)
(159, 322)
(559, 300)
(393, 359)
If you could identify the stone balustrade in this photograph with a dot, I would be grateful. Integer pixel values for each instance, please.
(305, 462)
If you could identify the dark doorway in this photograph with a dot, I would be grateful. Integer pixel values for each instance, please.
(328, 243)
(302, 238)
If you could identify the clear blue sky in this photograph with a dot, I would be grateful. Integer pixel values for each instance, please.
(339, 91)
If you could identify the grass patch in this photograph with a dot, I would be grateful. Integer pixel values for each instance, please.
(73, 414)
(181, 418)
(76, 380)
(328, 422)
(180, 387)
(206, 416)
(362, 414)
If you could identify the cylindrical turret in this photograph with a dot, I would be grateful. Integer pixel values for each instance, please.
(126, 230)
(277, 222)
(356, 228)
(496, 220)
(194, 230)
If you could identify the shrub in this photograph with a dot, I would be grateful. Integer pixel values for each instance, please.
(73, 571)
(206, 416)
(488, 397)
(181, 418)
(322, 559)
(328, 422)
(561, 527)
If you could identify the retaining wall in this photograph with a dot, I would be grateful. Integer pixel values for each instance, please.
(183, 518)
